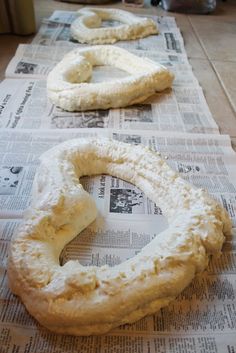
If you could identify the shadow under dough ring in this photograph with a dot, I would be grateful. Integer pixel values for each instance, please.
(68, 89)
(84, 300)
(87, 27)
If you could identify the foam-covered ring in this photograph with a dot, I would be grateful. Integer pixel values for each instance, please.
(87, 27)
(68, 89)
(78, 300)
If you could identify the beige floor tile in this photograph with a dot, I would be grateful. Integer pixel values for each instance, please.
(215, 96)
(44, 8)
(191, 42)
(233, 140)
(217, 32)
(226, 72)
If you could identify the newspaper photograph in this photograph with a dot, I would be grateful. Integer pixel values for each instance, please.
(200, 320)
(24, 104)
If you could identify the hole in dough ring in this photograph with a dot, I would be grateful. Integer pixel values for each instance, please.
(66, 86)
(78, 300)
(86, 29)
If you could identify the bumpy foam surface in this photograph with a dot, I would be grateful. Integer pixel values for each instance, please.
(68, 89)
(87, 27)
(78, 300)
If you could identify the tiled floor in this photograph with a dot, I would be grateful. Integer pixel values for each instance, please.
(217, 32)
(210, 42)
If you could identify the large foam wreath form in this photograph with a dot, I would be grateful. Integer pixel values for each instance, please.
(68, 89)
(86, 28)
(78, 300)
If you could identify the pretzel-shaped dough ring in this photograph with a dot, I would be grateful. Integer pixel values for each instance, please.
(79, 300)
(86, 29)
(67, 88)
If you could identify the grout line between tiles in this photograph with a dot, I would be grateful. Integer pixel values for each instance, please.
(225, 89)
(212, 66)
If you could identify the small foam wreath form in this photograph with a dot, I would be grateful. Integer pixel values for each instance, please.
(66, 86)
(78, 300)
(86, 28)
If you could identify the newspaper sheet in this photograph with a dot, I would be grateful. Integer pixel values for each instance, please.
(202, 319)
(57, 29)
(24, 104)
(183, 109)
